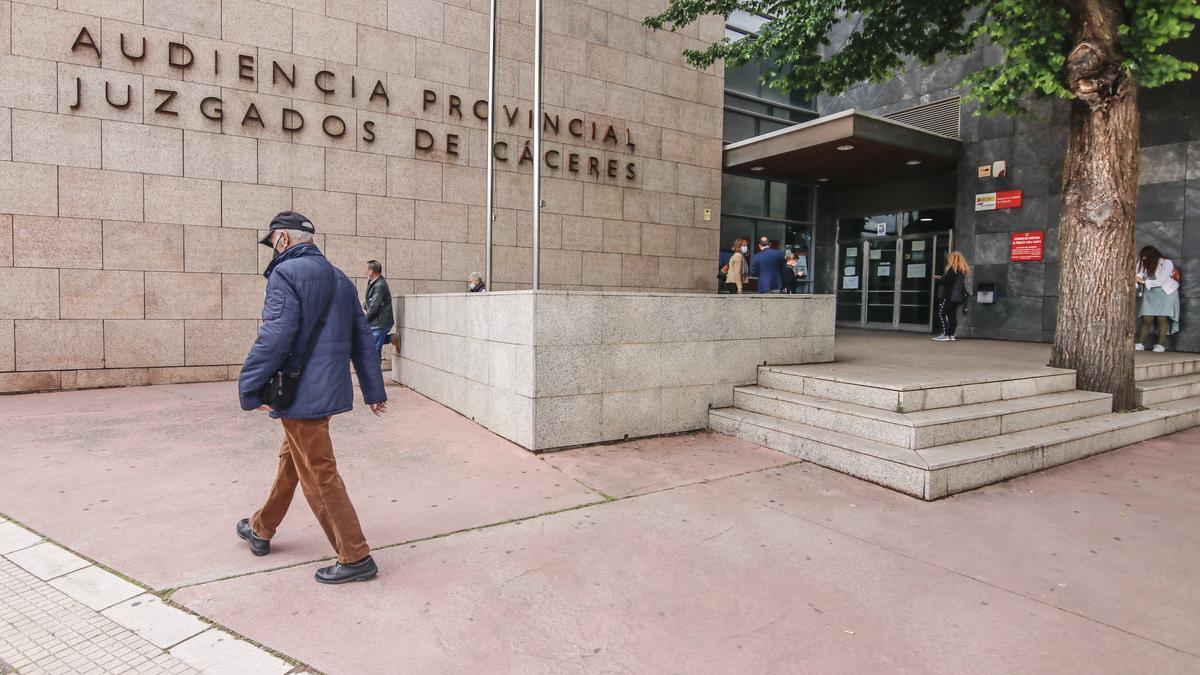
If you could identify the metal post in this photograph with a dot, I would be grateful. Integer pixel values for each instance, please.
(490, 207)
(537, 142)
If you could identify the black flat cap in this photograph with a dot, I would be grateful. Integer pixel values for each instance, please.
(288, 220)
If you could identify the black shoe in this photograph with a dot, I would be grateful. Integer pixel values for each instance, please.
(258, 545)
(340, 573)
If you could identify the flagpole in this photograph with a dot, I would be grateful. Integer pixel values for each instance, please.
(537, 142)
(490, 207)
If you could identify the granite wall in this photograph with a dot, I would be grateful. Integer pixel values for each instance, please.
(554, 369)
(145, 143)
(1033, 145)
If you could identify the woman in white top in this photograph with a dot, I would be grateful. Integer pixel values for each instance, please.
(1160, 297)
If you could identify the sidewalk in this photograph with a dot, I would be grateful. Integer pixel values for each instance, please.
(695, 553)
(60, 613)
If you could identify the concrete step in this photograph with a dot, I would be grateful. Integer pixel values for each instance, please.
(1151, 366)
(925, 428)
(939, 390)
(933, 473)
(1161, 390)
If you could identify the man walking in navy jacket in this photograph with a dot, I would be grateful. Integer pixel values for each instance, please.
(300, 284)
(767, 265)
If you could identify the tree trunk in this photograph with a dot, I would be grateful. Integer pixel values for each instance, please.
(1094, 335)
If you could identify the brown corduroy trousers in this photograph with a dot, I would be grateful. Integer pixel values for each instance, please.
(306, 457)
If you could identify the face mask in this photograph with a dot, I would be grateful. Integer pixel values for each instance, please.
(745, 249)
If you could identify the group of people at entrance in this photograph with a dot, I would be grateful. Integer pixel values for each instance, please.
(776, 271)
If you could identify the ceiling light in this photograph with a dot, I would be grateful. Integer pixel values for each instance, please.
(846, 147)
(822, 180)
(926, 220)
(913, 162)
(757, 168)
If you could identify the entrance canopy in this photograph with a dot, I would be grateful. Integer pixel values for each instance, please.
(845, 150)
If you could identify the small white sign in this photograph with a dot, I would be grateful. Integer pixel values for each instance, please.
(884, 270)
(985, 201)
(876, 254)
(852, 253)
(850, 283)
(850, 272)
(999, 169)
(916, 271)
(880, 229)
(918, 245)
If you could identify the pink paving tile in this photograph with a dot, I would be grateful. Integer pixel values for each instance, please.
(1115, 537)
(150, 480)
(696, 580)
(652, 464)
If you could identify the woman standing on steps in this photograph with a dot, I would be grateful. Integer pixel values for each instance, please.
(951, 293)
(1158, 287)
(737, 270)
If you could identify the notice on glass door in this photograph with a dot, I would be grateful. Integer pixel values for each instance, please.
(884, 270)
(850, 283)
(918, 245)
(915, 271)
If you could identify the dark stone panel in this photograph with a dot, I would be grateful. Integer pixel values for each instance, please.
(987, 320)
(1050, 252)
(1163, 201)
(991, 249)
(1026, 279)
(1166, 237)
(1023, 314)
(1191, 238)
(994, 221)
(1163, 163)
(1160, 127)
(1021, 334)
(1044, 144)
(1191, 198)
(1038, 213)
(1193, 159)
(997, 125)
(1038, 179)
(1049, 314)
(991, 274)
(1189, 269)
(1050, 279)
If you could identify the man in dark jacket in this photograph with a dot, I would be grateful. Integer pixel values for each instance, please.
(300, 284)
(378, 305)
(767, 265)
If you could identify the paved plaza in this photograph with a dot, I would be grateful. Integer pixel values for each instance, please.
(695, 553)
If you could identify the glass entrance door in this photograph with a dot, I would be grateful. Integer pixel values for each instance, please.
(886, 276)
(881, 283)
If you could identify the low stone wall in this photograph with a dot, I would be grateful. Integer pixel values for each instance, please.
(554, 369)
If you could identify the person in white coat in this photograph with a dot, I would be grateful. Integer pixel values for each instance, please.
(1159, 290)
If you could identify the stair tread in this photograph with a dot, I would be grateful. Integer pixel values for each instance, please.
(966, 452)
(885, 451)
(1165, 382)
(934, 416)
(832, 373)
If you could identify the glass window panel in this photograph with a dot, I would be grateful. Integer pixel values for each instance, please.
(745, 21)
(742, 195)
(734, 228)
(799, 203)
(738, 127)
(743, 78)
(929, 220)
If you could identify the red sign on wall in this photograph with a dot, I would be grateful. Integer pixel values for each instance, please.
(990, 201)
(1027, 246)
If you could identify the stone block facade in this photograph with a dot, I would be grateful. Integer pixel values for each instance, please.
(554, 369)
(145, 144)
